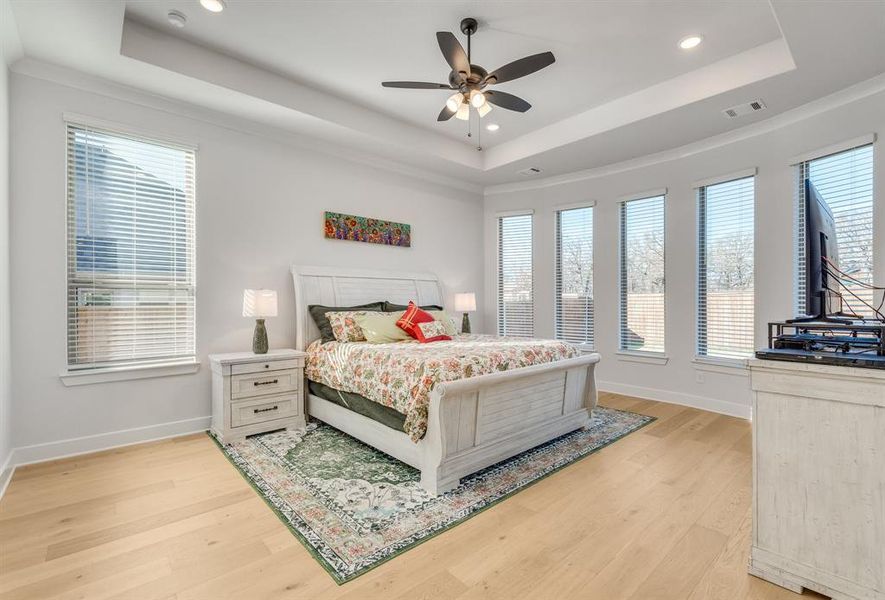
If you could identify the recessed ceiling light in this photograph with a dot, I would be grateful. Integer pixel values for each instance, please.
(689, 42)
(215, 6)
(176, 18)
(493, 127)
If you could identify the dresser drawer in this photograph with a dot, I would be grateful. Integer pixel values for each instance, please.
(259, 410)
(264, 366)
(262, 384)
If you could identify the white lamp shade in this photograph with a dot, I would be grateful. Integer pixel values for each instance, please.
(465, 302)
(259, 303)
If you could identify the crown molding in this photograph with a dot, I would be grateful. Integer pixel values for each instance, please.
(72, 78)
(811, 109)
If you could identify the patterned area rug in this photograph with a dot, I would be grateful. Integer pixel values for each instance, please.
(354, 507)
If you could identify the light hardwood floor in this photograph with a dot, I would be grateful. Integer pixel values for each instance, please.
(662, 513)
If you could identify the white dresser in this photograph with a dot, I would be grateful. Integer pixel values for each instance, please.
(256, 393)
(819, 478)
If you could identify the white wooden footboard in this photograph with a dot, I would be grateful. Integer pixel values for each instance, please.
(474, 423)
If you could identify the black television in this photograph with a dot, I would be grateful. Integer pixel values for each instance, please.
(822, 299)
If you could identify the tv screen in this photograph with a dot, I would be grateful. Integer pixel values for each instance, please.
(820, 241)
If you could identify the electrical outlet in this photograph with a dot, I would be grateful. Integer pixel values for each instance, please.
(699, 377)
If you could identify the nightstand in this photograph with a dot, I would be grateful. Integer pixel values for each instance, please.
(257, 393)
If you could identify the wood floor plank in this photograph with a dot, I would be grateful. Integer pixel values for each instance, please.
(683, 566)
(103, 536)
(663, 513)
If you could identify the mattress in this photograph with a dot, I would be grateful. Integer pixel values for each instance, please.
(401, 375)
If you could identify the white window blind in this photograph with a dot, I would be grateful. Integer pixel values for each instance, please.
(130, 265)
(574, 276)
(515, 300)
(845, 182)
(725, 269)
(642, 286)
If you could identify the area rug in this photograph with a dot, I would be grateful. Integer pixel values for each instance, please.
(354, 507)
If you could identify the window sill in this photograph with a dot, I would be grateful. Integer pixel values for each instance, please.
(105, 375)
(727, 366)
(648, 358)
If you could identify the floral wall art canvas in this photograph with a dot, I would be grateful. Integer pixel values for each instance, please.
(363, 229)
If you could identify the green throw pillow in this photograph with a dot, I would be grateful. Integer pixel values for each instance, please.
(380, 328)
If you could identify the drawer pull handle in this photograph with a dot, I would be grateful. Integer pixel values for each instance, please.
(264, 410)
(266, 366)
(266, 382)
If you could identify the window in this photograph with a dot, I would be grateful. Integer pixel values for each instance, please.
(642, 275)
(845, 181)
(515, 300)
(130, 265)
(725, 269)
(574, 276)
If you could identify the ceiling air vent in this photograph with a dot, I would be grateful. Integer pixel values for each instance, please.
(529, 172)
(744, 109)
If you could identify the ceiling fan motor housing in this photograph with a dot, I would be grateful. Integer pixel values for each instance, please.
(476, 79)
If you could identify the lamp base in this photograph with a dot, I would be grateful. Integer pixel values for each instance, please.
(259, 338)
(465, 324)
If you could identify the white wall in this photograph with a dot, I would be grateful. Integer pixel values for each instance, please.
(5, 398)
(771, 152)
(259, 208)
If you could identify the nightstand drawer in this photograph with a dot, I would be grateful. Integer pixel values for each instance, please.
(268, 365)
(259, 410)
(262, 384)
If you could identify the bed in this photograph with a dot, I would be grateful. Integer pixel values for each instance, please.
(471, 423)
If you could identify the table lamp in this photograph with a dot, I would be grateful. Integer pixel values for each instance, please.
(465, 302)
(259, 304)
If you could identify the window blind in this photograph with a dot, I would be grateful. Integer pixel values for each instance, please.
(515, 298)
(574, 276)
(845, 181)
(130, 247)
(642, 285)
(726, 269)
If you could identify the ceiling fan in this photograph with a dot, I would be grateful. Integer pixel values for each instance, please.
(471, 80)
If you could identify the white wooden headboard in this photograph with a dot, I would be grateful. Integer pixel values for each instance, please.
(334, 286)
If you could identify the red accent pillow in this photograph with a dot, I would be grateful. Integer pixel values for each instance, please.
(410, 319)
(432, 331)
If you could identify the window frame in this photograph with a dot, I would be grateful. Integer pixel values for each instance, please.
(700, 188)
(72, 374)
(658, 357)
(557, 210)
(499, 323)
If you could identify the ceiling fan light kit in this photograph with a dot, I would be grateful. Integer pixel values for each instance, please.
(470, 81)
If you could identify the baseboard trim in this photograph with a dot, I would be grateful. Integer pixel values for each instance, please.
(731, 409)
(37, 453)
(6, 472)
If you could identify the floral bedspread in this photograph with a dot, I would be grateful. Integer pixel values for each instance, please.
(401, 375)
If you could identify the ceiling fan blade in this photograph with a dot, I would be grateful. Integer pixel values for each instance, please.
(521, 68)
(453, 51)
(445, 114)
(416, 85)
(508, 101)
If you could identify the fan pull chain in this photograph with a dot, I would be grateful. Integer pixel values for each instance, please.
(478, 133)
